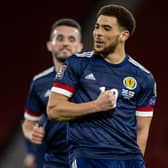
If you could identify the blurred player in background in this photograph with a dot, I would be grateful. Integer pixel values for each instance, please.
(65, 40)
(109, 98)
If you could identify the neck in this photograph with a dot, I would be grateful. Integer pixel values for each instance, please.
(57, 64)
(116, 57)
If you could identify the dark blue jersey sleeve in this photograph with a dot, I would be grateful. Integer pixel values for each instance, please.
(147, 98)
(33, 106)
(67, 80)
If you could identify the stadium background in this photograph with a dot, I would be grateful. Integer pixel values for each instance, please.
(25, 28)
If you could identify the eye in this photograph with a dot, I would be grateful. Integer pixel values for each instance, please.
(72, 39)
(60, 38)
(107, 28)
(96, 26)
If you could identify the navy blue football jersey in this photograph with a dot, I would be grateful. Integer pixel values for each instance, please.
(111, 134)
(55, 132)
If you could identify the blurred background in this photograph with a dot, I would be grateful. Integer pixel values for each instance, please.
(25, 28)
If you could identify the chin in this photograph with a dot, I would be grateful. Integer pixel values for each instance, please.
(63, 57)
(98, 49)
(66, 55)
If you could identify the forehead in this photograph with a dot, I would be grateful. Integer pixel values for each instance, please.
(66, 31)
(107, 20)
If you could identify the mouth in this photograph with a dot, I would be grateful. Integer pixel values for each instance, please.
(65, 52)
(64, 49)
(99, 43)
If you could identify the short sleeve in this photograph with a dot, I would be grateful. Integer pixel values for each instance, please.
(33, 106)
(147, 97)
(67, 79)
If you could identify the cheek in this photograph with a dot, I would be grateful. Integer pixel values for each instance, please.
(74, 48)
(57, 45)
(94, 33)
(108, 39)
(55, 48)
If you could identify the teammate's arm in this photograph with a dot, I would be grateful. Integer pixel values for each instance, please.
(60, 108)
(143, 125)
(32, 131)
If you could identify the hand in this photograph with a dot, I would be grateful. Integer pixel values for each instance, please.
(37, 134)
(106, 100)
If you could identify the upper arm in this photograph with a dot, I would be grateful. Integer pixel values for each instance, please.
(55, 101)
(143, 123)
(144, 110)
(143, 126)
(56, 98)
(146, 99)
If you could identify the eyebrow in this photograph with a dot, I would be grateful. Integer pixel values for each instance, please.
(103, 25)
(109, 26)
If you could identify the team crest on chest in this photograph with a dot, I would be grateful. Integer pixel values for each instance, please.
(130, 83)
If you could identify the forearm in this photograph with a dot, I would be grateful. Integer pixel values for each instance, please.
(61, 109)
(68, 110)
(142, 141)
(143, 126)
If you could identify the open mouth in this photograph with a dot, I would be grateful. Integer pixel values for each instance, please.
(99, 43)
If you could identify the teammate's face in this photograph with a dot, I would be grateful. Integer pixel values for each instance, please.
(65, 42)
(106, 34)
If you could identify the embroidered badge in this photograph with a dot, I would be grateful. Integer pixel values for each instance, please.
(130, 83)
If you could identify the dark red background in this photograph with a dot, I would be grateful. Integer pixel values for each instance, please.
(25, 27)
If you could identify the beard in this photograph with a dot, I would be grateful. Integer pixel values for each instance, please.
(60, 56)
(109, 49)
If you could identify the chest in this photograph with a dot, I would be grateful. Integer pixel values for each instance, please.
(121, 79)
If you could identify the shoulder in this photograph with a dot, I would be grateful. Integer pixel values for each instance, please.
(138, 66)
(43, 74)
(79, 60)
(142, 72)
(80, 57)
(43, 78)
(85, 54)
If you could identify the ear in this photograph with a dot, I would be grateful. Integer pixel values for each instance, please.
(80, 47)
(124, 35)
(49, 46)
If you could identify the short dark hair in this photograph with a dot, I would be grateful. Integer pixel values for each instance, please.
(65, 22)
(124, 17)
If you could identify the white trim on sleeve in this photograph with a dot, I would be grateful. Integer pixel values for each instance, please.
(144, 113)
(32, 118)
(61, 91)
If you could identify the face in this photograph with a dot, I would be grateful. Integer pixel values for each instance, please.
(106, 34)
(65, 42)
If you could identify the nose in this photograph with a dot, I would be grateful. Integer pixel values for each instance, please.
(98, 32)
(66, 42)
